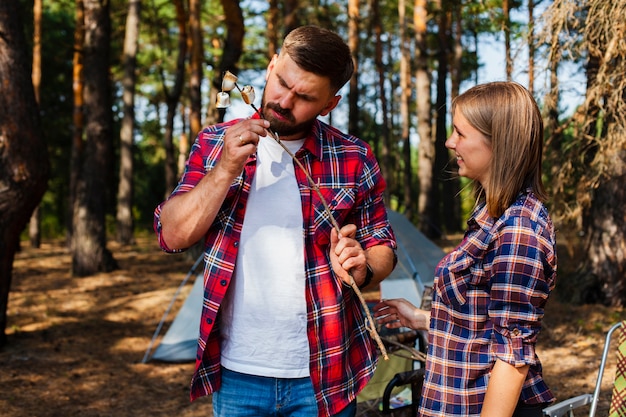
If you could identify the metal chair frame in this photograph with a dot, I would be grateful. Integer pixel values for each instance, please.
(568, 406)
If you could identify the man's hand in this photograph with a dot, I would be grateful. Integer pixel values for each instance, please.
(347, 256)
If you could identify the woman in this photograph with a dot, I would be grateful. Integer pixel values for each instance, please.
(491, 290)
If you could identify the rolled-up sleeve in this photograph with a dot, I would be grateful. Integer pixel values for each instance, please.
(519, 291)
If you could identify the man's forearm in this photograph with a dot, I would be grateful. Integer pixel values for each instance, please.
(186, 217)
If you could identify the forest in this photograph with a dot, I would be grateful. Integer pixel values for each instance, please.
(101, 99)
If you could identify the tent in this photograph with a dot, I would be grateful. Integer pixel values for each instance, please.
(417, 259)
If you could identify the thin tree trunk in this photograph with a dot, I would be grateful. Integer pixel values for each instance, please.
(34, 228)
(78, 116)
(386, 154)
(531, 47)
(172, 99)
(232, 49)
(506, 27)
(125, 191)
(196, 65)
(89, 252)
(24, 165)
(426, 150)
(272, 28)
(183, 144)
(405, 97)
(441, 194)
(354, 19)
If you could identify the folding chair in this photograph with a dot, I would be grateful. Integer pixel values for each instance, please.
(618, 397)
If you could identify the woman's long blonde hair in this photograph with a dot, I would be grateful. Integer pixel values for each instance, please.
(508, 116)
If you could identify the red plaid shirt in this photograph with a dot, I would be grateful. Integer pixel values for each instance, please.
(342, 355)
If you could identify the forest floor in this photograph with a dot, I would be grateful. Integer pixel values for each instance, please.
(75, 345)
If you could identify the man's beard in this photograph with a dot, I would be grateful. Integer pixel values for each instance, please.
(287, 127)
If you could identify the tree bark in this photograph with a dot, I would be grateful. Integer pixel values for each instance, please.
(24, 165)
(89, 252)
(78, 116)
(443, 194)
(354, 19)
(172, 99)
(125, 221)
(34, 229)
(196, 65)
(405, 98)
(426, 150)
(231, 49)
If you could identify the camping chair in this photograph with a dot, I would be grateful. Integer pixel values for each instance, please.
(618, 397)
(397, 384)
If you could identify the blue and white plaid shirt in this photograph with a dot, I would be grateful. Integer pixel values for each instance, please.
(488, 303)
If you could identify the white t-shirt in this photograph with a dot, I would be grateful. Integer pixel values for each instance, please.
(263, 321)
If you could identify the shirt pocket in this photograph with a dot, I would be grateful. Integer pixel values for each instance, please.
(340, 201)
(455, 278)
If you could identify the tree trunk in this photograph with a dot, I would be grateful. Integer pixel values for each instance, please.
(353, 41)
(172, 99)
(231, 50)
(426, 150)
(443, 194)
(24, 165)
(78, 116)
(34, 229)
(196, 65)
(386, 154)
(89, 252)
(506, 28)
(604, 224)
(125, 190)
(272, 28)
(531, 47)
(405, 98)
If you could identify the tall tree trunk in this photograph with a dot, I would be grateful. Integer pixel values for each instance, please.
(442, 195)
(531, 47)
(34, 229)
(172, 99)
(183, 144)
(24, 166)
(78, 115)
(354, 19)
(426, 150)
(89, 252)
(386, 158)
(232, 48)
(196, 65)
(405, 98)
(272, 28)
(452, 184)
(125, 222)
(506, 28)
(291, 19)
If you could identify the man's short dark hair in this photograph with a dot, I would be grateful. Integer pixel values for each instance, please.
(322, 52)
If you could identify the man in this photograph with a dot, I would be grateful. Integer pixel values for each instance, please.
(282, 332)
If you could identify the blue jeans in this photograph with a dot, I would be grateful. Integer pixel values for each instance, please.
(243, 395)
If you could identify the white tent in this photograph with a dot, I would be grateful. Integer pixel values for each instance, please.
(417, 259)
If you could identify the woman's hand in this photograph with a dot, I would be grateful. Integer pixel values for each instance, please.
(398, 312)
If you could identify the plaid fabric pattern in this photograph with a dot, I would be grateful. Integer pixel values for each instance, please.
(488, 303)
(342, 355)
(618, 397)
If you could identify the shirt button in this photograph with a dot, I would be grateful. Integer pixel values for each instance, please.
(223, 282)
(209, 321)
(516, 332)
(236, 244)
